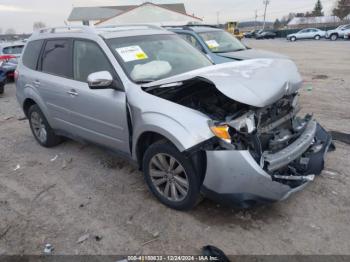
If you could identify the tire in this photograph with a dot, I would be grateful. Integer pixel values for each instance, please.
(42, 131)
(317, 37)
(2, 88)
(293, 39)
(169, 187)
(334, 37)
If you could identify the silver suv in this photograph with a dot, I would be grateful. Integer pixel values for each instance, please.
(229, 132)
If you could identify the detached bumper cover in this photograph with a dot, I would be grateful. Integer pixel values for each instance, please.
(234, 177)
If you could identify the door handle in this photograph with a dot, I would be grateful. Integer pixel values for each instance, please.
(36, 83)
(73, 92)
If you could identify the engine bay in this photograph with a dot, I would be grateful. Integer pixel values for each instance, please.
(203, 97)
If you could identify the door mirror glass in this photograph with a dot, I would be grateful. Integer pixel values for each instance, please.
(100, 80)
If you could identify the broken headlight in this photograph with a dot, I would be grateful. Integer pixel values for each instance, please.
(221, 131)
(244, 124)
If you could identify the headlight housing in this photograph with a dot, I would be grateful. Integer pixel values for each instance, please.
(222, 132)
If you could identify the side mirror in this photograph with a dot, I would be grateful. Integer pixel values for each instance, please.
(100, 80)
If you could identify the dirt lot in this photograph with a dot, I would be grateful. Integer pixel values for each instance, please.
(58, 195)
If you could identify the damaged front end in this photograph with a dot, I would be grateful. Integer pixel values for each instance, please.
(261, 152)
(278, 151)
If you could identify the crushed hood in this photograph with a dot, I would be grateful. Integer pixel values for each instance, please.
(256, 82)
(252, 54)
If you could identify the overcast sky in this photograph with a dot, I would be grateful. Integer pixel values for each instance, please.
(21, 14)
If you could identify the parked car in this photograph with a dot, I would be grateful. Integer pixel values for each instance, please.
(262, 34)
(250, 34)
(8, 64)
(307, 33)
(229, 132)
(218, 45)
(338, 32)
(9, 55)
(347, 34)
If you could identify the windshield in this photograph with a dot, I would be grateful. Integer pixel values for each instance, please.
(222, 42)
(153, 57)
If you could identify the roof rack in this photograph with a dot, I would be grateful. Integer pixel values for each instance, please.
(66, 29)
(95, 30)
(127, 26)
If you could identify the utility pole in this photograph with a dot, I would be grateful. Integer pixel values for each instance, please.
(256, 17)
(266, 2)
(218, 17)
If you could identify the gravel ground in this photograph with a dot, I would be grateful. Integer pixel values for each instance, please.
(58, 195)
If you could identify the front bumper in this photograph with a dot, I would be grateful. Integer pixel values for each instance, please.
(235, 178)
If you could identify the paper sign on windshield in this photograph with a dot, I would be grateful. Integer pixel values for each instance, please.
(212, 44)
(132, 53)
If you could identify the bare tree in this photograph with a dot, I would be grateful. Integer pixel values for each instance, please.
(38, 25)
(342, 9)
(10, 31)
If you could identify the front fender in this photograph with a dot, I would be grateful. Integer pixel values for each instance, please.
(181, 136)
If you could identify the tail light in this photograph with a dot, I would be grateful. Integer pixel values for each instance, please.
(6, 57)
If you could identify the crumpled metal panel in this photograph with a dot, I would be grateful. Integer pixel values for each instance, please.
(257, 82)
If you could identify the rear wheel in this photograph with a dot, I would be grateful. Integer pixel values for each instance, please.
(317, 37)
(171, 177)
(41, 129)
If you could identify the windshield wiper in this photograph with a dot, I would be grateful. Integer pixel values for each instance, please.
(229, 51)
(146, 81)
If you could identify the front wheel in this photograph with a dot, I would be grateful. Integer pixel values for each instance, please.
(334, 37)
(2, 88)
(171, 177)
(41, 129)
(317, 37)
(293, 39)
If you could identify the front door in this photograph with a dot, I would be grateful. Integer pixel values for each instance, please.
(99, 116)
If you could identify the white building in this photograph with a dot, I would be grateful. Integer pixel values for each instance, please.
(165, 14)
(317, 21)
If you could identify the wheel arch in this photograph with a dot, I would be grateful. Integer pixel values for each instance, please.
(31, 97)
(148, 138)
(28, 102)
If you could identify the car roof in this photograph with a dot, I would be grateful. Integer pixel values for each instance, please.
(106, 32)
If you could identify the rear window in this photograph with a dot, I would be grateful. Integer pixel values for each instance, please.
(13, 50)
(57, 58)
(31, 54)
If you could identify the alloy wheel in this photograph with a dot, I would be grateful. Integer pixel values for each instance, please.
(38, 126)
(169, 177)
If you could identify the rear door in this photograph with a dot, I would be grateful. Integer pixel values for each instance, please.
(99, 116)
(54, 81)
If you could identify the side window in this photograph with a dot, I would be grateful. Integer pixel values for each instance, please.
(31, 54)
(89, 58)
(56, 58)
(192, 40)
